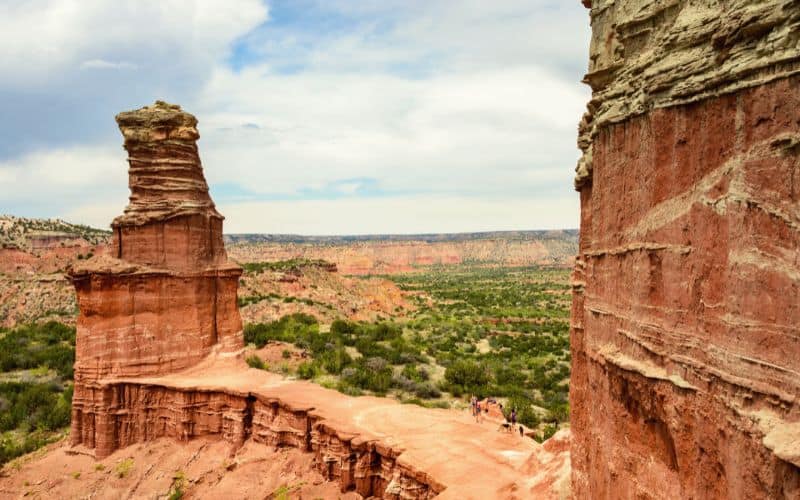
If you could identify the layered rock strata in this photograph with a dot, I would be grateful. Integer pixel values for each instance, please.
(165, 297)
(131, 413)
(685, 336)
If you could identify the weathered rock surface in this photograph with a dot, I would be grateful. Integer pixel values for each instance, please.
(655, 54)
(205, 467)
(373, 446)
(685, 336)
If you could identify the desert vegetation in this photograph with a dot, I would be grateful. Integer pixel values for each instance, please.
(35, 386)
(491, 332)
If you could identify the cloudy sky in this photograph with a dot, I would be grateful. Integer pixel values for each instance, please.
(316, 116)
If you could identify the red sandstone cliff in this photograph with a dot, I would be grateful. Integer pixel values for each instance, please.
(685, 337)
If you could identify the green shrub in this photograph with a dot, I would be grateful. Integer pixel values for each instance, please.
(36, 405)
(335, 360)
(466, 376)
(254, 361)
(295, 328)
(11, 447)
(124, 468)
(307, 370)
(178, 485)
(547, 432)
(373, 374)
(526, 415)
(415, 373)
(51, 344)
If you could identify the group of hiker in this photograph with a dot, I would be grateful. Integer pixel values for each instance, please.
(479, 408)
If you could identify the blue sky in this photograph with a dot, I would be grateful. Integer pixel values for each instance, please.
(316, 117)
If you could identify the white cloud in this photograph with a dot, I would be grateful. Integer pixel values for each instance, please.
(42, 39)
(54, 183)
(497, 131)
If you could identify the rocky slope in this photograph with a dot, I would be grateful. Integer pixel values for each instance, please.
(685, 338)
(33, 256)
(319, 290)
(38, 251)
(360, 255)
(34, 235)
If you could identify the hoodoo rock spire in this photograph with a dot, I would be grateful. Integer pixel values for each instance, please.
(166, 296)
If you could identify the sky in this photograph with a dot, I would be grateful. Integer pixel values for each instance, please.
(315, 116)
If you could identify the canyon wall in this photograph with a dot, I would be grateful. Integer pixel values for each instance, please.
(686, 312)
(399, 254)
(122, 414)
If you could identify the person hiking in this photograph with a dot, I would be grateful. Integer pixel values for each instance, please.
(513, 417)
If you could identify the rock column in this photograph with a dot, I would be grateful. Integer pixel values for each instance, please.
(165, 296)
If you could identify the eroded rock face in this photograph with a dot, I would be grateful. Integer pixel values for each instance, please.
(134, 413)
(685, 337)
(165, 296)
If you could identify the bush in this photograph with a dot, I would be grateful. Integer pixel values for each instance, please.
(335, 360)
(11, 448)
(374, 374)
(124, 468)
(307, 370)
(51, 344)
(415, 373)
(256, 362)
(464, 376)
(546, 433)
(426, 390)
(295, 328)
(36, 406)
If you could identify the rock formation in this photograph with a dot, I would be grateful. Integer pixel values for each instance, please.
(686, 312)
(166, 296)
(158, 355)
